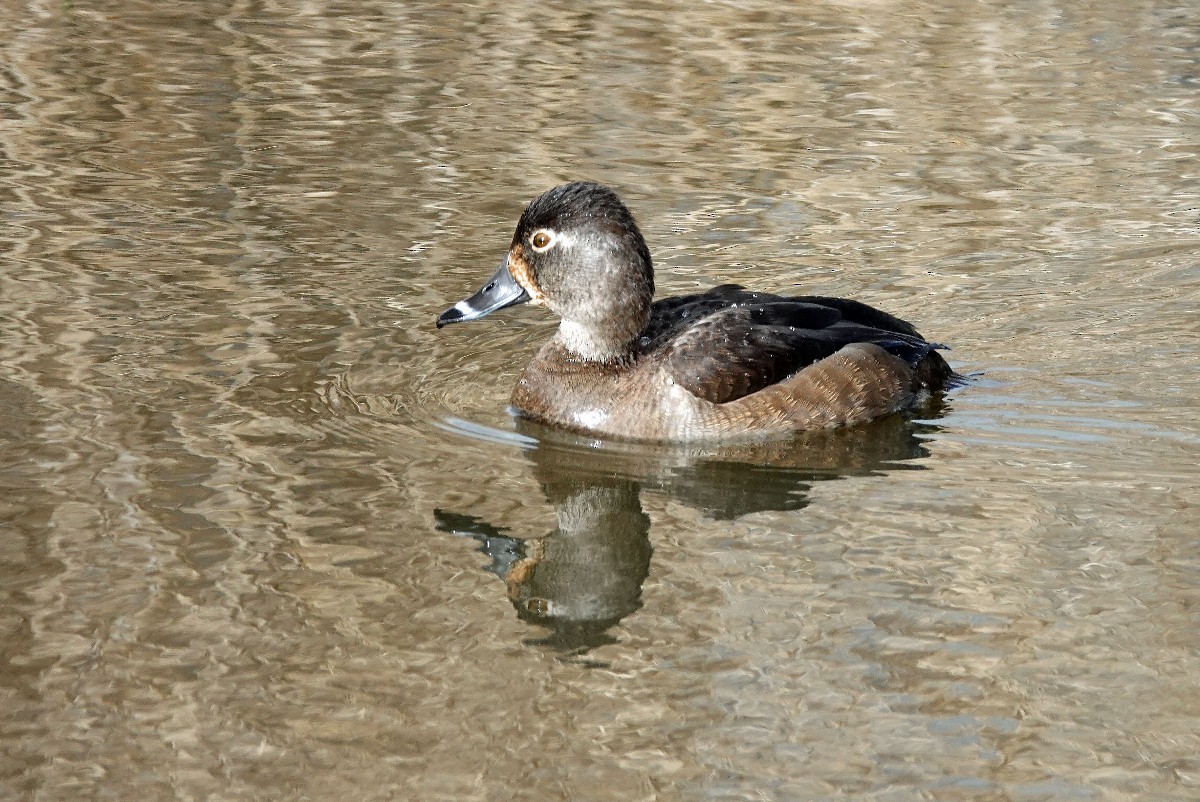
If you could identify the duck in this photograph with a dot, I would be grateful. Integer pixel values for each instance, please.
(725, 364)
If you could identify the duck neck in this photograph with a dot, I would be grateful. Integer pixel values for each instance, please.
(589, 344)
(605, 311)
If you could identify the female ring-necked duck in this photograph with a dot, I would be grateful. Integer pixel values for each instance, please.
(719, 365)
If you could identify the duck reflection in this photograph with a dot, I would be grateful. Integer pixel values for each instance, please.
(586, 575)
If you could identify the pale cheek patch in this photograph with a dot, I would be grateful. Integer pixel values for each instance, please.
(565, 239)
(524, 276)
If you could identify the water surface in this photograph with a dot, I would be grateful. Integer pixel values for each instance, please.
(266, 534)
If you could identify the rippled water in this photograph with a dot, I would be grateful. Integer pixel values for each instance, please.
(266, 534)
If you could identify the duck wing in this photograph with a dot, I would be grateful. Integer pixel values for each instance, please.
(669, 316)
(728, 343)
(858, 312)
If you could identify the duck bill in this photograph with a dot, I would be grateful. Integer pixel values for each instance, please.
(501, 291)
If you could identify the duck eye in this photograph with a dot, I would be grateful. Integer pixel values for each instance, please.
(542, 240)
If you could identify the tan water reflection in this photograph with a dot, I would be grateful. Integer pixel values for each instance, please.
(228, 423)
(586, 575)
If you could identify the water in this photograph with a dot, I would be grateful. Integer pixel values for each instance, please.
(266, 534)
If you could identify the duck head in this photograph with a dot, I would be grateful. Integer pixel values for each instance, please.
(577, 251)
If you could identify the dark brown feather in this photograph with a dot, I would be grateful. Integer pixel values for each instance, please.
(728, 343)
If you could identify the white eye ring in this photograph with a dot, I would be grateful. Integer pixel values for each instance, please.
(542, 240)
